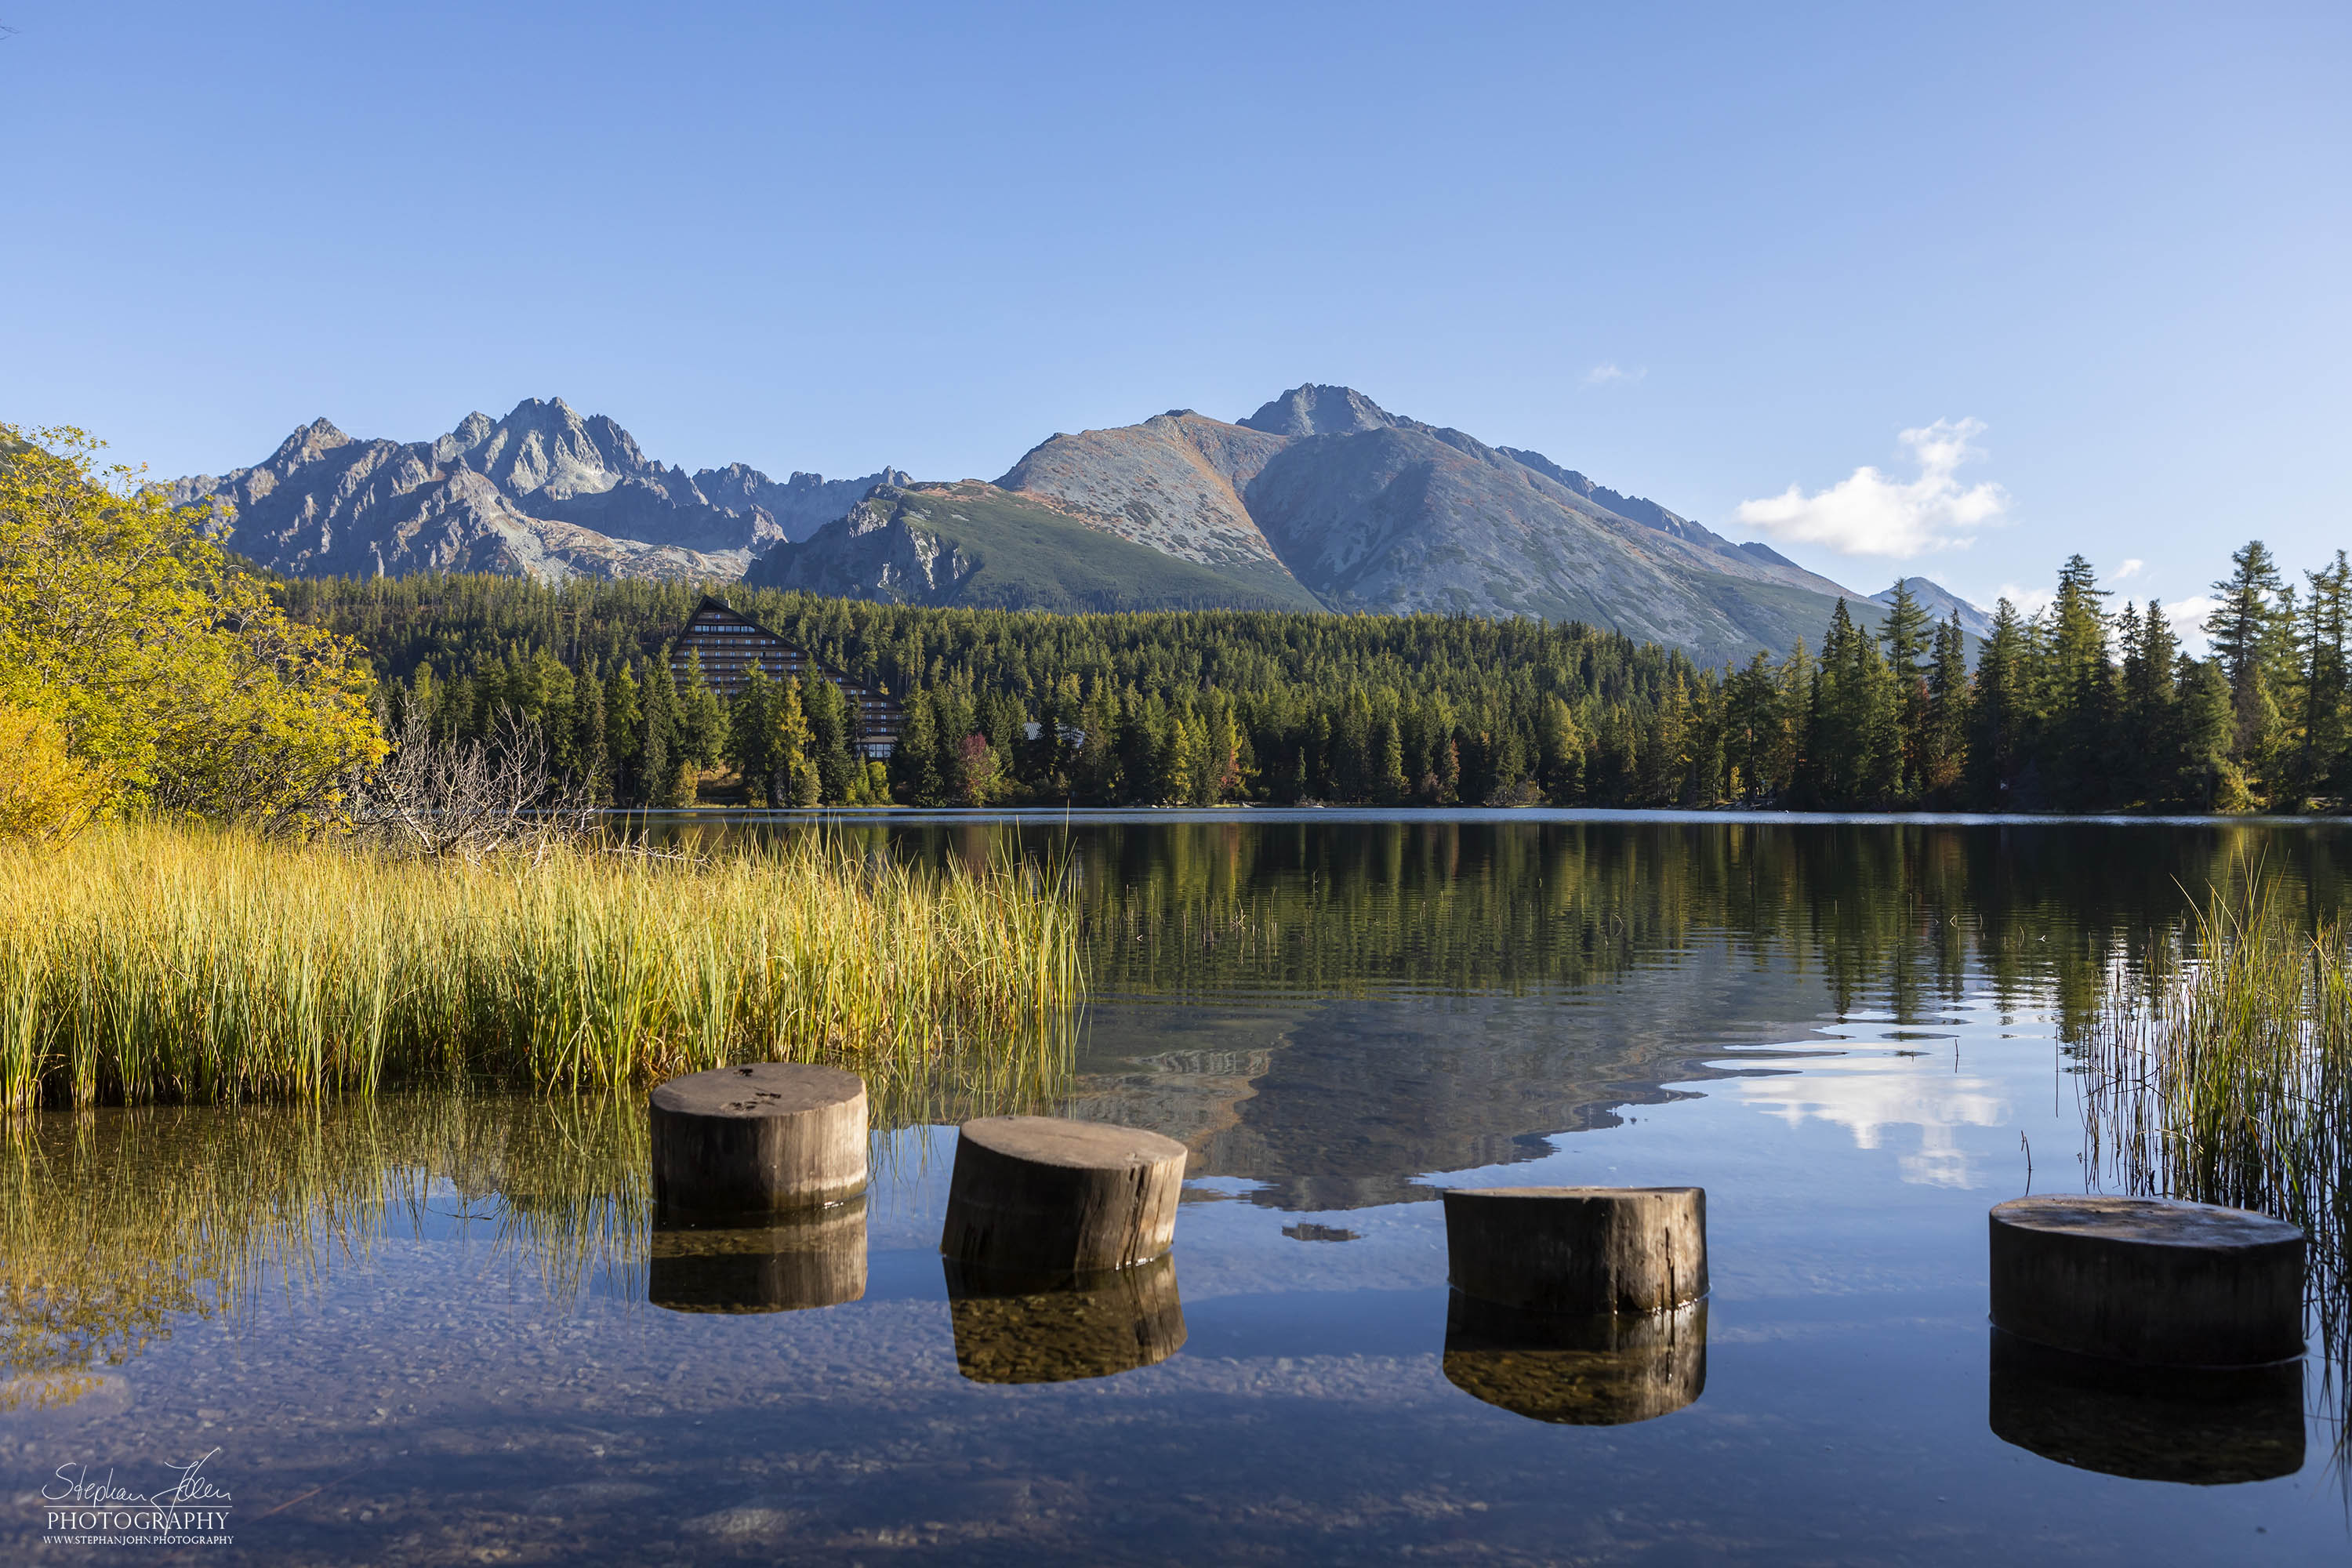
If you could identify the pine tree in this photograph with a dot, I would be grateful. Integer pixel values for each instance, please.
(1751, 709)
(1561, 748)
(1944, 731)
(829, 738)
(2001, 712)
(660, 765)
(591, 770)
(2208, 779)
(750, 736)
(701, 720)
(1906, 637)
(1666, 758)
(624, 734)
(2148, 744)
(1392, 785)
(795, 769)
(2080, 692)
(1179, 747)
(2322, 635)
(2243, 632)
(914, 763)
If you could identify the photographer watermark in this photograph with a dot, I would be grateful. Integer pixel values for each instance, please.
(85, 1511)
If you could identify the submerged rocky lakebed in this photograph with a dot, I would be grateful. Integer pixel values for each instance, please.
(442, 1328)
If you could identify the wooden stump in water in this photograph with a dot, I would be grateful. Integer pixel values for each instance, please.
(2191, 1425)
(1579, 1250)
(2151, 1280)
(1017, 1327)
(1599, 1369)
(758, 1139)
(774, 1263)
(1044, 1194)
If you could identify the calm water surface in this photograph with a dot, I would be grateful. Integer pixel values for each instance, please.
(442, 1329)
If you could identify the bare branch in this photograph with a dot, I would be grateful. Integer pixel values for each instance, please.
(433, 798)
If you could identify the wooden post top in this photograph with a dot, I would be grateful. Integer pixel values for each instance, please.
(759, 1089)
(2146, 1222)
(1506, 1192)
(1076, 1145)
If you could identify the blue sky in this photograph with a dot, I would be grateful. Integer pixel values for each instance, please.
(2094, 260)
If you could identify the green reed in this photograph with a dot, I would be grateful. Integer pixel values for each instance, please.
(2226, 1078)
(154, 964)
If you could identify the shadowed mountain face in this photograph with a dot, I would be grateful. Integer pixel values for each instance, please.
(544, 492)
(986, 547)
(1367, 511)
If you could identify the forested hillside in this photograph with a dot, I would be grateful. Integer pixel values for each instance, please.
(2080, 708)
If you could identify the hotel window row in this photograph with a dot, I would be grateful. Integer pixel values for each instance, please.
(730, 644)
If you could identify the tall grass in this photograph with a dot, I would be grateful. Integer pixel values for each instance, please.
(2227, 1078)
(152, 964)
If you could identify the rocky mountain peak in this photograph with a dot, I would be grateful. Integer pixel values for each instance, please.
(1313, 410)
(545, 490)
(309, 441)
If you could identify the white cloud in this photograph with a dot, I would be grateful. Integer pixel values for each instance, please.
(2188, 618)
(2030, 602)
(2130, 568)
(1868, 1094)
(1602, 374)
(1868, 513)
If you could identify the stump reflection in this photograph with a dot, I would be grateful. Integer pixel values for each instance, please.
(1018, 1327)
(764, 1263)
(1598, 1371)
(2197, 1426)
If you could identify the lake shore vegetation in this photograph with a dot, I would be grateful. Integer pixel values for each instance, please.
(2225, 1077)
(143, 673)
(155, 962)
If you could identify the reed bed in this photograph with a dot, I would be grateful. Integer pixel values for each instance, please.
(148, 963)
(2226, 1078)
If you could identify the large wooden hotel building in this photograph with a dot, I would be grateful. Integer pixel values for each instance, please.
(730, 644)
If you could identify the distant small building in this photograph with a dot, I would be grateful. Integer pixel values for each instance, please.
(731, 643)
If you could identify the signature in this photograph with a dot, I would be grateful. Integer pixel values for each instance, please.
(75, 1485)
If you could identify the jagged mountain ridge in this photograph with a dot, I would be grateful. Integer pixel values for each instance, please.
(545, 491)
(1320, 499)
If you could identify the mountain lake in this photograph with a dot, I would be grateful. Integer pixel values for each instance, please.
(443, 1329)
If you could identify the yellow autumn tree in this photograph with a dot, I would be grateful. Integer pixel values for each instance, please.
(176, 683)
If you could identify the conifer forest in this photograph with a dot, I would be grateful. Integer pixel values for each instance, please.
(2091, 704)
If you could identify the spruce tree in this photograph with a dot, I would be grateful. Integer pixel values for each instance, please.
(2242, 631)
(2079, 684)
(624, 735)
(750, 736)
(1907, 639)
(2321, 635)
(1944, 732)
(701, 719)
(915, 762)
(828, 712)
(2001, 712)
(660, 765)
(592, 772)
